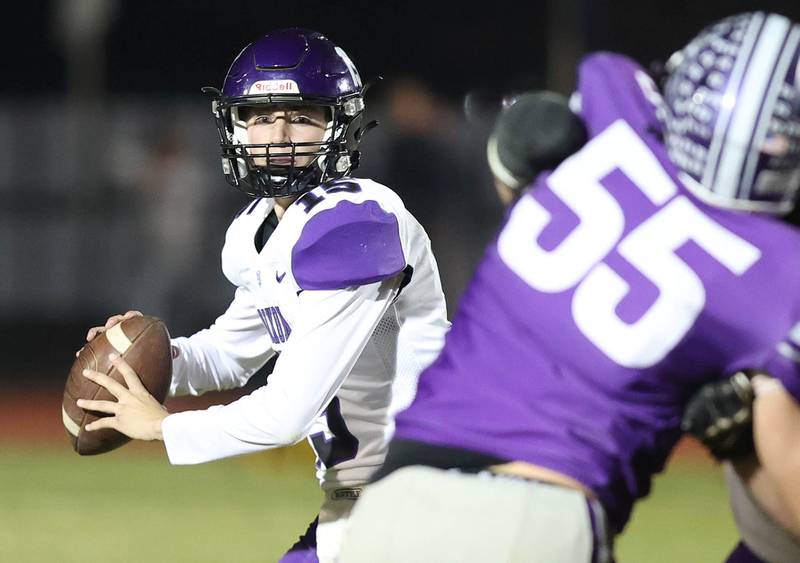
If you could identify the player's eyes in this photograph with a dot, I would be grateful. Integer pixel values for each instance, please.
(301, 119)
(264, 119)
(294, 119)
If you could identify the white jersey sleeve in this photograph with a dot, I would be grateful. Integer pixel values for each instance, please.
(225, 355)
(304, 381)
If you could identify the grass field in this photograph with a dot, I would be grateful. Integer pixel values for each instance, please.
(686, 519)
(132, 506)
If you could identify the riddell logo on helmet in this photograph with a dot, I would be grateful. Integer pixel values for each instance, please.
(274, 87)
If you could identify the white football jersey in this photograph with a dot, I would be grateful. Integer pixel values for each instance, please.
(347, 291)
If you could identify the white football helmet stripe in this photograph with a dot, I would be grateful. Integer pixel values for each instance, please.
(350, 66)
(725, 111)
(748, 104)
(768, 108)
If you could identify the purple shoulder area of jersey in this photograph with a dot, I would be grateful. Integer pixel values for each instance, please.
(609, 90)
(555, 401)
(347, 245)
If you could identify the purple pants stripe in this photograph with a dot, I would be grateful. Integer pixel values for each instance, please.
(601, 548)
(742, 554)
(305, 548)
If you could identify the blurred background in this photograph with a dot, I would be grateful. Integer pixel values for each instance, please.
(112, 198)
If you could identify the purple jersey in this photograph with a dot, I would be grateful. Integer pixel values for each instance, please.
(611, 295)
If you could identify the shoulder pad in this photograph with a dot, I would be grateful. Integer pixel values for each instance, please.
(611, 87)
(346, 245)
(240, 239)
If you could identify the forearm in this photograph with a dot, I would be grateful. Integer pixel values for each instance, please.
(326, 342)
(238, 428)
(201, 364)
(777, 436)
(225, 355)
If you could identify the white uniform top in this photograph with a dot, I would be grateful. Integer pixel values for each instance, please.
(346, 289)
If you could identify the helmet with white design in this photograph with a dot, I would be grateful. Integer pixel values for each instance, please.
(289, 67)
(733, 119)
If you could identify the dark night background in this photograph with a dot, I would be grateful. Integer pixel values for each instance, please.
(81, 128)
(173, 48)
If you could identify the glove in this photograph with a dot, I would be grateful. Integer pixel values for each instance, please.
(720, 415)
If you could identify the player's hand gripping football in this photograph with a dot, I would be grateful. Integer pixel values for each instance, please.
(720, 415)
(135, 413)
(94, 331)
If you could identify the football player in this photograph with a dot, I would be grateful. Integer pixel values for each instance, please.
(332, 273)
(644, 266)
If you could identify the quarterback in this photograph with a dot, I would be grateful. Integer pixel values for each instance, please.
(332, 273)
(646, 265)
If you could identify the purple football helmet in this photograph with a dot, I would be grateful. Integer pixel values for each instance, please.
(733, 113)
(290, 67)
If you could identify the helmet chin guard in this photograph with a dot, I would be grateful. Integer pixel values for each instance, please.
(289, 67)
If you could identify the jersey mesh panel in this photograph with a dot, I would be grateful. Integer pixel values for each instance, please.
(402, 362)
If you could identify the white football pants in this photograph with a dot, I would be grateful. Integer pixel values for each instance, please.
(427, 515)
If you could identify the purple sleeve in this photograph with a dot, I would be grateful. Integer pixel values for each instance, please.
(349, 244)
(609, 91)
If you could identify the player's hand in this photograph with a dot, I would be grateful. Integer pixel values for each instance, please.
(720, 415)
(135, 413)
(94, 331)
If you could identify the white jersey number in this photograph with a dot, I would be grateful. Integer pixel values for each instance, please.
(650, 247)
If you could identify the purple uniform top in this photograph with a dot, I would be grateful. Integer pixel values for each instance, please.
(610, 295)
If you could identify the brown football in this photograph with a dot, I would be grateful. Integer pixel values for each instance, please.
(144, 343)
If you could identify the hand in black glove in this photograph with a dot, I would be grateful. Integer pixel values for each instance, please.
(720, 415)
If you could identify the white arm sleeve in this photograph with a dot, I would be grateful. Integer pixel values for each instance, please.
(331, 331)
(225, 355)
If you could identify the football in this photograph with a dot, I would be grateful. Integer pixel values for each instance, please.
(145, 345)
